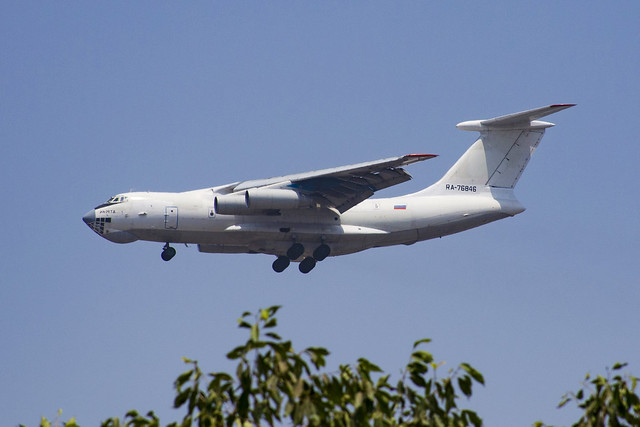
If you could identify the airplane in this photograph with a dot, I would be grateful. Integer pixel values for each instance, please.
(307, 217)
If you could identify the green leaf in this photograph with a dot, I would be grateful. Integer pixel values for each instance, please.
(131, 414)
(383, 381)
(422, 356)
(255, 332)
(183, 378)
(274, 309)
(418, 380)
(358, 400)
(475, 419)
(465, 385)
(243, 405)
(564, 401)
(181, 398)
(474, 373)
(244, 324)
(423, 340)
(367, 366)
(321, 351)
(317, 355)
(417, 368)
(273, 336)
(618, 365)
(236, 352)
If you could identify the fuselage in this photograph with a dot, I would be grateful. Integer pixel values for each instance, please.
(190, 217)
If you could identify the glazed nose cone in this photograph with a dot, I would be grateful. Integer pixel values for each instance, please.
(90, 217)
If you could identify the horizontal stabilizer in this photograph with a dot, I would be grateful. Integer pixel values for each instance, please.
(522, 120)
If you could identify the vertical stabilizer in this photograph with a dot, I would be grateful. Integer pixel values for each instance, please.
(496, 159)
(501, 153)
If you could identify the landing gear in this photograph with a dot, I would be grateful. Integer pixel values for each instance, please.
(280, 264)
(307, 264)
(321, 252)
(168, 252)
(295, 251)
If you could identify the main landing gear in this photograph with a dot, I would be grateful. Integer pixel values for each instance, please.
(307, 264)
(168, 252)
(281, 263)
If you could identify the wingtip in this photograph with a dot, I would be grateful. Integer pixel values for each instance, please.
(426, 156)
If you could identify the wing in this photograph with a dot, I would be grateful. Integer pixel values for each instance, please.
(340, 188)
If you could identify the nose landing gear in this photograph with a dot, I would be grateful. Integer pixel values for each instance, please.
(168, 252)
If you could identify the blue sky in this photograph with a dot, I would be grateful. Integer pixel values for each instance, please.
(98, 99)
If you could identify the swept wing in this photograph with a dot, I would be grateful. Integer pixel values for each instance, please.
(341, 187)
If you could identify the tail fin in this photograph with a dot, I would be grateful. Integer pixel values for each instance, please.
(500, 154)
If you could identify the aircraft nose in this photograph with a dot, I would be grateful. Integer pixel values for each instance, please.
(90, 217)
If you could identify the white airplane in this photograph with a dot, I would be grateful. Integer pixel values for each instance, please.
(307, 217)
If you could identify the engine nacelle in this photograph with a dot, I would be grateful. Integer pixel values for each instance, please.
(231, 204)
(256, 201)
(276, 199)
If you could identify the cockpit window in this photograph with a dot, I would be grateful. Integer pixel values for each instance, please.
(112, 201)
(117, 199)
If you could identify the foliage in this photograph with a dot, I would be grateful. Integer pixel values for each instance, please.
(44, 422)
(612, 401)
(274, 385)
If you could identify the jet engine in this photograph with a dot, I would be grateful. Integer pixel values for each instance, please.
(256, 201)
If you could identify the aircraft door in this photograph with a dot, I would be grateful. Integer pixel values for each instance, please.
(171, 217)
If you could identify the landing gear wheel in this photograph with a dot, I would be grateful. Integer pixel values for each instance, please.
(307, 264)
(295, 251)
(168, 252)
(280, 264)
(321, 252)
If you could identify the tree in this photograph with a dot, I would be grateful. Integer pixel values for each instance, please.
(275, 385)
(612, 400)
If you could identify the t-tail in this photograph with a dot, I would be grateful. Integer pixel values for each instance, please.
(499, 156)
